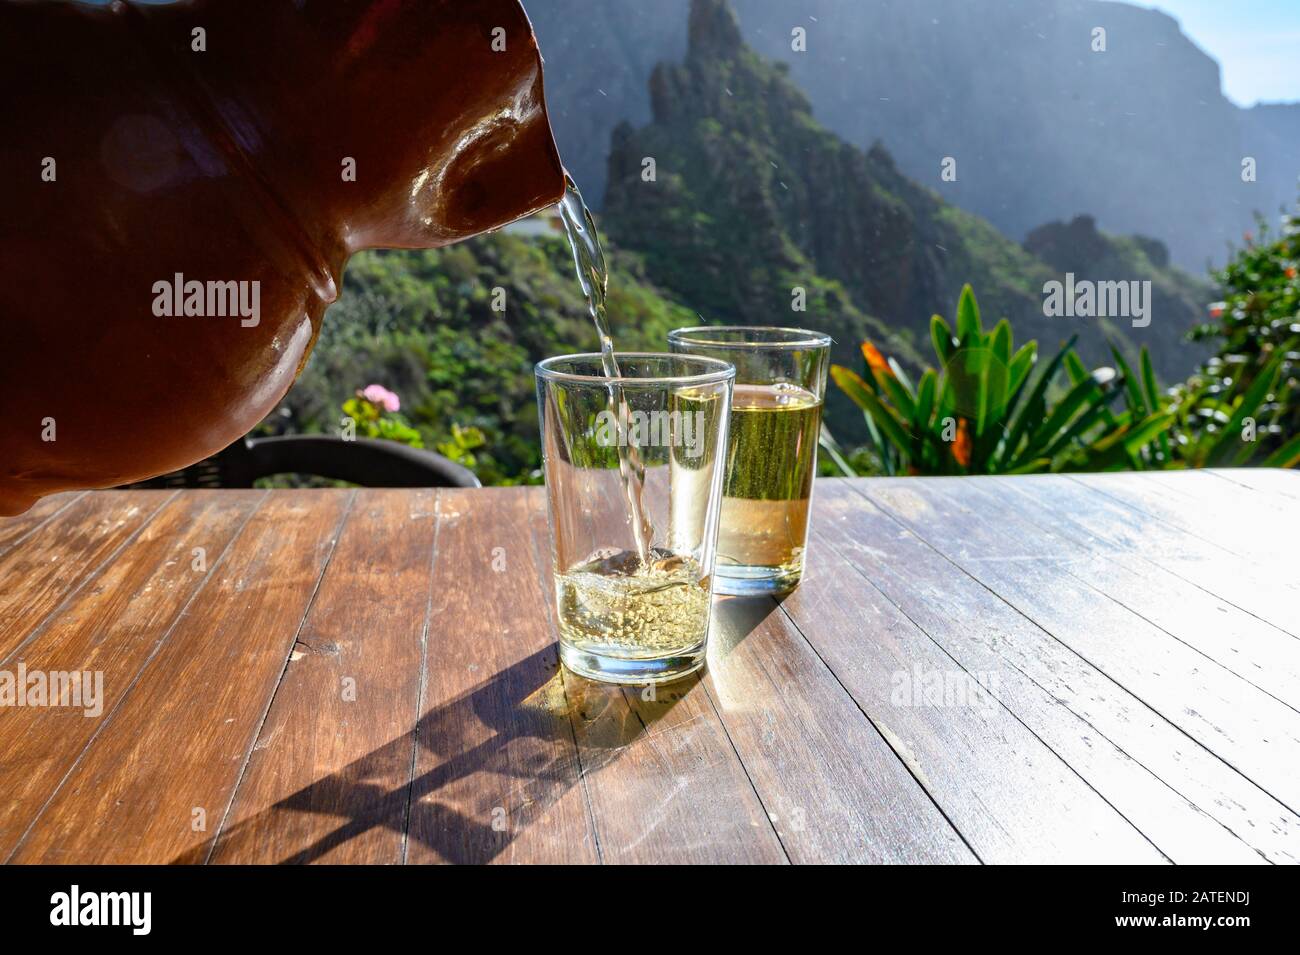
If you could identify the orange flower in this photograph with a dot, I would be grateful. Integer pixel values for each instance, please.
(1290, 272)
(876, 361)
(961, 447)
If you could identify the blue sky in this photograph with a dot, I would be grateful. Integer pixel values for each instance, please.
(1257, 43)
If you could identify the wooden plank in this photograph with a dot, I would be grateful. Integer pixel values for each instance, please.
(1245, 727)
(160, 776)
(1276, 481)
(1011, 797)
(1255, 650)
(329, 778)
(808, 749)
(39, 574)
(1111, 524)
(112, 629)
(14, 530)
(1193, 806)
(661, 775)
(1257, 521)
(497, 777)
(1197, 505)
(1114, 525)
(665, 784)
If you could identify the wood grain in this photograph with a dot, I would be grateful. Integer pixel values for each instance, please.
(1260, 653)
(112, 628)
(496, 768)
(1284, 483)
(1107, 524)
(1238, 516)
(13, 530)
(834, 790)
(1191, 805)
(39, 575)
(665, 784)
(1012, 798)
(329, 778)
(1231, 521)
(160, 776)
(1250, 730)
(372, 677)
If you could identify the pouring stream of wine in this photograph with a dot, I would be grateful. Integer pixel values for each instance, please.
(593, 275)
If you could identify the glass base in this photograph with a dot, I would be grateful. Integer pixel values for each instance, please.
(750, 581)
(607, 669)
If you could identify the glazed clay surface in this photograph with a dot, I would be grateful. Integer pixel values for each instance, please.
(132, 161)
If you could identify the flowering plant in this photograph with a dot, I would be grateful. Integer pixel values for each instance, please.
(374, 413)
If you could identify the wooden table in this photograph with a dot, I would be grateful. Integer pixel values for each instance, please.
(1085, 669)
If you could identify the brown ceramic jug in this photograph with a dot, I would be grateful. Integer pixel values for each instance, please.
(181, 186)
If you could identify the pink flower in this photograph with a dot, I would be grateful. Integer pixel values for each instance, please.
(381, 397)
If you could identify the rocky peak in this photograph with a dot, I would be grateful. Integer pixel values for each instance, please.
(714, 31)
(1079, 245)
(1073, 245)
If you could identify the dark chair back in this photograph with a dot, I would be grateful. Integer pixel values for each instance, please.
(363, 461)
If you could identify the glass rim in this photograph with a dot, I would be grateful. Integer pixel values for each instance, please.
(719, 371)
(797, 338)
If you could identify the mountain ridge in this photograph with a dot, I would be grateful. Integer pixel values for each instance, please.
(1140, 137)
(753, 200)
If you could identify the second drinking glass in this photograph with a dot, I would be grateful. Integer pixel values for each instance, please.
(776, 414)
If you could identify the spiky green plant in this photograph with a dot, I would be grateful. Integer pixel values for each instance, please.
(1222, 422)
(982, 410)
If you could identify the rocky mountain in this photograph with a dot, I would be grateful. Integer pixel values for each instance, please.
(1043, 128)
(1177, 300)
(751, 200)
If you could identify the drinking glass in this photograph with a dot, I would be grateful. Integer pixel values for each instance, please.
(776, 414)
(634, 467)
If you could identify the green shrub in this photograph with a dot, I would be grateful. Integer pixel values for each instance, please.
(1243, 406)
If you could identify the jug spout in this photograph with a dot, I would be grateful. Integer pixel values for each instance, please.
(185, 184)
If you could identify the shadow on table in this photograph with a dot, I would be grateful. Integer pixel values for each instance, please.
(502, 751)
(735, 618)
